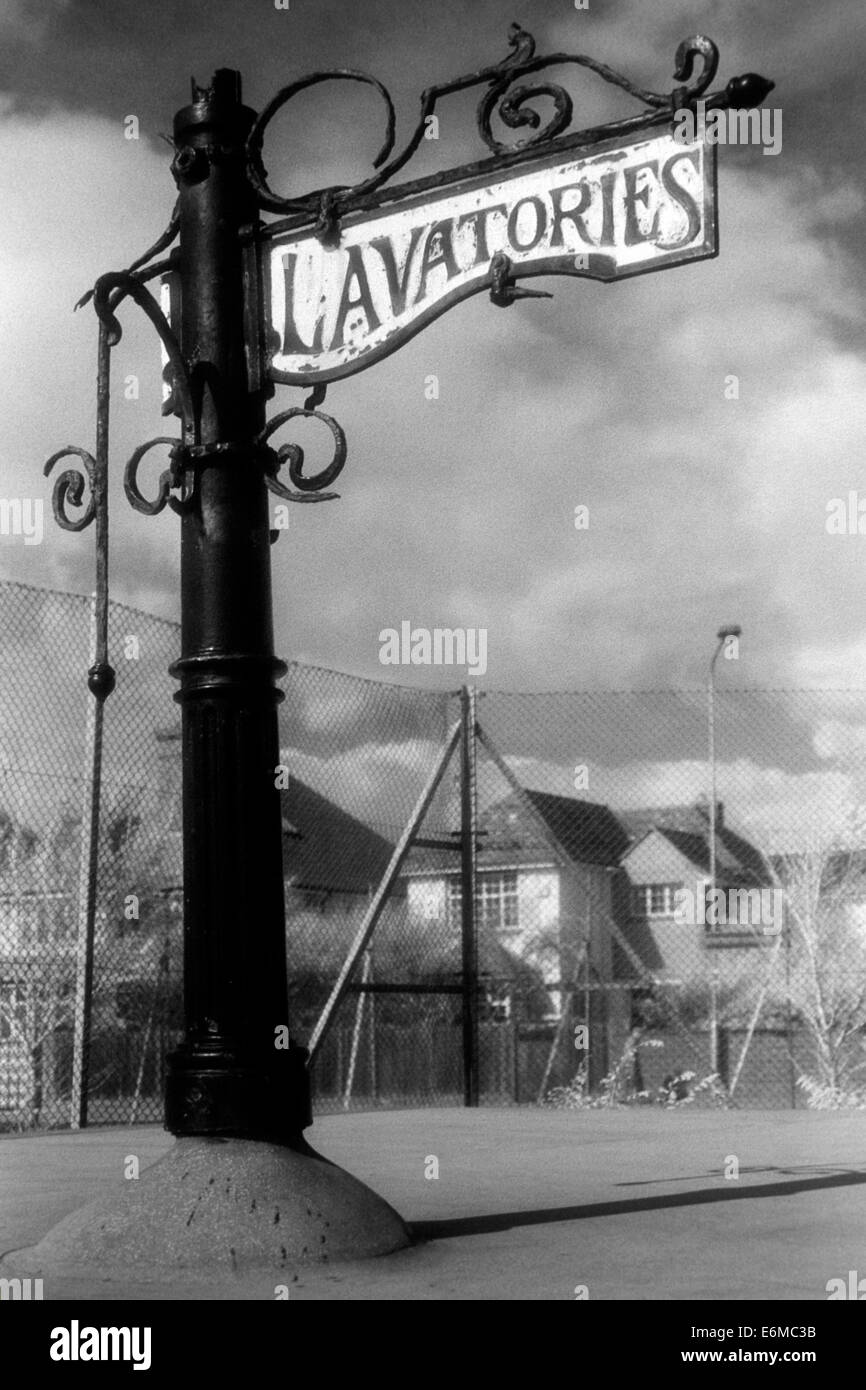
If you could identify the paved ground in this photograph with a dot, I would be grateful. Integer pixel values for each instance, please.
(531, 1204)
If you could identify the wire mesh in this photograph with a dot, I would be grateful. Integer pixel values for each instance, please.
(619, 958)
(729, 977)
(45, 765)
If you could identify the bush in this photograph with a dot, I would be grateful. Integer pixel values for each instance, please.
(617, 1088)
(821, 1097)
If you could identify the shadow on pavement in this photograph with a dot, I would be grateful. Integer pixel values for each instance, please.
(792, 1172)
(505, 1220)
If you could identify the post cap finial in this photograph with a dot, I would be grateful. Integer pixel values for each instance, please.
(225, 86)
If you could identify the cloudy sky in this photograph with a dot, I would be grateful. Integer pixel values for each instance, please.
(459, 511)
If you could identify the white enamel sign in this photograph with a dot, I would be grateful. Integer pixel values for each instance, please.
(626, 210)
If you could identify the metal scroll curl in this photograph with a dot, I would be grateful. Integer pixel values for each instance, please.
(255, 168)
(108, 292)
(172, 476)
(696, 63)
(513, 110)
(69, 488)
(697, 48)
(307, 489)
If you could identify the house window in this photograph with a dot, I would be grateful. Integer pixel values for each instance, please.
(497, 901)
(654, 899)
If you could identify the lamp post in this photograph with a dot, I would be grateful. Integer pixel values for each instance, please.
(723, 634)
(228, 1077)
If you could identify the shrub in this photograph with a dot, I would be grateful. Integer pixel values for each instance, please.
(617, 1088)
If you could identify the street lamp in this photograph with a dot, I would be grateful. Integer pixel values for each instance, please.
(731, 630)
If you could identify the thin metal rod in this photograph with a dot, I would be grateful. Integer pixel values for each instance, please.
(99, 656)
(374, 1023)
(88, 865)
(356, 1033)
(789, 1031)
(469, 889)
(380, 897)
(711, 739)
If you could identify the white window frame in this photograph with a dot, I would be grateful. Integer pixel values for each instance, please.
(642, 899)
(498, 899)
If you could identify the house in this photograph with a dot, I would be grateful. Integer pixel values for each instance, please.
(597, 900)
(663, 900)
(545, 866)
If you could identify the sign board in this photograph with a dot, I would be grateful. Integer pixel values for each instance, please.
(621, 210)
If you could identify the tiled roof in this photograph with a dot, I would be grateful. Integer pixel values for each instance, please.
(516, 831)
(695, 847)
(588, 832)
(687, 829)
(324, 848)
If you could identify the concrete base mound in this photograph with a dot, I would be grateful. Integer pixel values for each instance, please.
(214, 1207)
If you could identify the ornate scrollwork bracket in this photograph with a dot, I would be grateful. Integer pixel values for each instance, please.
(176, 475)
(307, 489)
(695, 65)
(69, 485)
(187, 459)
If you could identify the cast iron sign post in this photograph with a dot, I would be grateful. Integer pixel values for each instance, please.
(343, 276)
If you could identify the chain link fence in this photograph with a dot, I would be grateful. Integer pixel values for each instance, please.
(631, 941)
(46, 751)
(738, 977)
